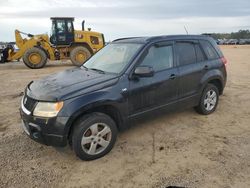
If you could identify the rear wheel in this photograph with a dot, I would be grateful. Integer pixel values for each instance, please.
(79, 55)
(94, 136)
(35, 58)
(209, 100)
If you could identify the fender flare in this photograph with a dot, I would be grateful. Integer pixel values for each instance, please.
(85, 109)
(209, 76)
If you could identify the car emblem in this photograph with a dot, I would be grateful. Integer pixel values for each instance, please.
(25, 100)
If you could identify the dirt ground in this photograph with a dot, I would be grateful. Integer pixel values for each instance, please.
(178, 149)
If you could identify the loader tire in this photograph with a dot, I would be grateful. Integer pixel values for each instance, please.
(79, 55)
(35, 58)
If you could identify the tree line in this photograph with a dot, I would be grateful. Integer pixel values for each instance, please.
(241, 34)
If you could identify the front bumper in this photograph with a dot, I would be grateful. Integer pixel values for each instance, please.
(48, 131)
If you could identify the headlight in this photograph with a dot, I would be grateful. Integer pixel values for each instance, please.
(47, 109)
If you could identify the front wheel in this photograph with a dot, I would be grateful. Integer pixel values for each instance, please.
(35, 58)
(94, 136)
(209, 100)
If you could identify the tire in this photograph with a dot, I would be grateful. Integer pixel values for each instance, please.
(209, 100)
(1, 57)
(79, 55)
(89, 142)
(5, 54)
(35, 58)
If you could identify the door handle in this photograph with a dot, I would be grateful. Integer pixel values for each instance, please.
(206, 67)
(172, 76)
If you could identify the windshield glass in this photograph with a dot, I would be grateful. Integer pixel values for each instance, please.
(113, 58)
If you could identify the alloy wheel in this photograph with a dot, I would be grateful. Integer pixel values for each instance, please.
(210, 100)
(96, 138)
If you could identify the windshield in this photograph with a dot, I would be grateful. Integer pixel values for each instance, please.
(113, 58)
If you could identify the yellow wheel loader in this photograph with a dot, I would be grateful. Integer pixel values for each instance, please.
(64, 43)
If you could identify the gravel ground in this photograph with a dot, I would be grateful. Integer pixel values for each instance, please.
(178, 149)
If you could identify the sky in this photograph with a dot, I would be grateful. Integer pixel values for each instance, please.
(125, 18)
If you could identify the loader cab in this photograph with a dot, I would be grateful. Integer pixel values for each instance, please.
(62, 32)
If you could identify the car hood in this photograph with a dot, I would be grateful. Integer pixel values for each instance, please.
(69, 83)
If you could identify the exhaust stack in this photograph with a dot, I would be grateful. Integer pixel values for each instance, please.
(83, 22)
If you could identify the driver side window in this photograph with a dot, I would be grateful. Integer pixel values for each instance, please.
(61, 26)
(159, 58)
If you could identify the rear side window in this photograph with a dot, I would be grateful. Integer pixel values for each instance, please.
(159, 58)
(209, 50)
(185, 53)
(199, 53)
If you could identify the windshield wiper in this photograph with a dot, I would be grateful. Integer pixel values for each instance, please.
(97, 70)
(84, 67)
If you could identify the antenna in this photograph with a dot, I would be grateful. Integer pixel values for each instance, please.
(186, 29)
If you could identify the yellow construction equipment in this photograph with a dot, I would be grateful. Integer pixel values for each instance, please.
(64, 43)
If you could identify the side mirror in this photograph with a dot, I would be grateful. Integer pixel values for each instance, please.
(144, 71)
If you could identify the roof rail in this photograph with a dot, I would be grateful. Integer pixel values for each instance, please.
(126, 38)
(156, 37)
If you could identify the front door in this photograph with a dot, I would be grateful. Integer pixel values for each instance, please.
(147, 93)
(64, 34)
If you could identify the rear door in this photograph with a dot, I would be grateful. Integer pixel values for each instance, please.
(191, 67)
(61, 32)
(153, 92)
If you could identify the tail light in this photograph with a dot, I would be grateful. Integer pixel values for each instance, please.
(224, 61)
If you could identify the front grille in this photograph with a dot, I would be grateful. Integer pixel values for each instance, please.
(29, 103)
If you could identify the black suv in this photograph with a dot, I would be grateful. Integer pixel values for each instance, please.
(129, 77)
